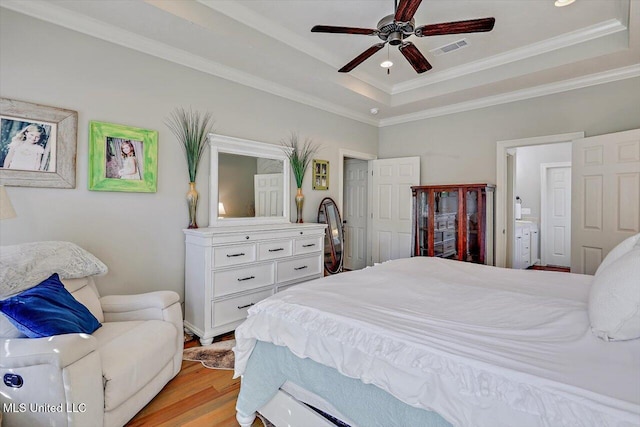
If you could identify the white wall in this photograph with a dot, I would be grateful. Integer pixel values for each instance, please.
(462, 147)
(528, 180)
(139, 235)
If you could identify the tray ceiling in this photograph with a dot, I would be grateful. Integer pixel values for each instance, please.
(534, 49)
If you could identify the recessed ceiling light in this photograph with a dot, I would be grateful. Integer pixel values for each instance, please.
(561, 3)
(374, 111)
(386, 64)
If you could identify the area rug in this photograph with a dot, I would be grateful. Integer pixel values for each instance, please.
(220, 355)
(214, 356)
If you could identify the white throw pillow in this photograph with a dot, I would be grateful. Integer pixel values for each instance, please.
(25, 265)
(622, 248)
(614, 299)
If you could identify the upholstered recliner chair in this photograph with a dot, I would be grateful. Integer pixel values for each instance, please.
(98, 379)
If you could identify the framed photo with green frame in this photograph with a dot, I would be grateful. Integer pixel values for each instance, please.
(320, 174)
(122, 158)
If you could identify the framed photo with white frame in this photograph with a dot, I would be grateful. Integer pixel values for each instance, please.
(37, 145)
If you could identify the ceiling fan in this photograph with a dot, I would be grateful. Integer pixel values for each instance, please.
(395, 28)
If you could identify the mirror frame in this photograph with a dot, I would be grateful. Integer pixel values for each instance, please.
(328, 241)
(246, 147)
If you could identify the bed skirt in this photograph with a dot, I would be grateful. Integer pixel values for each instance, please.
(270, 366)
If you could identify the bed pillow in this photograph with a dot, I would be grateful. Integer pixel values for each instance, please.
(622, 248)
(48, 309)
(614, 299)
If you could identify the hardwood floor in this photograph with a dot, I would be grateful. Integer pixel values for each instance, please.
(197, 396)
(550, 268)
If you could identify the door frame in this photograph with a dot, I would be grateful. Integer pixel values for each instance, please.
(501, 180)
(342, 154)
(544, 169)
(512, 172)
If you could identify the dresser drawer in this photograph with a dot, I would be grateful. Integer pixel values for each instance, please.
(305, 246)
(241, 279)
(271, 250)
(299, 268)
(233, 255)
(440, 236)
(235, 309)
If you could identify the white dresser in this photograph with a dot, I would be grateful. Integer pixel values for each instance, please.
(229, 269)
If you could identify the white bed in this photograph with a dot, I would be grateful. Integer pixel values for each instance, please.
(478, 345)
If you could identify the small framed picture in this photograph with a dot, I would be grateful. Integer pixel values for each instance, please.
(320, 174)
(37, 145)
(122, 158)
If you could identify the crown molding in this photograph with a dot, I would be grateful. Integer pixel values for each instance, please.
(49, 12)
(519, 95)
(586, 34)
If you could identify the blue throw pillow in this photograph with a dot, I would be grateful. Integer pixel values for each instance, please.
(48, 309)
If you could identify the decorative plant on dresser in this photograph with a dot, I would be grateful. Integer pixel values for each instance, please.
(299, 155)
(191, 128)
(240, 260)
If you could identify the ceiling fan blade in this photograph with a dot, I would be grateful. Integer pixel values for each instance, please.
(361, 58)
(415, 58)
(406, 10)
(343, 30)
(459, 27)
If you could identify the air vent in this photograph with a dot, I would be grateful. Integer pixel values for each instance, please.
(449, 47)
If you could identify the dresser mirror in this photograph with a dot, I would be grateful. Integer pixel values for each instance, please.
(334, 236)
(249, 182)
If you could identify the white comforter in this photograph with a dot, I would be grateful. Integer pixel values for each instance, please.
(482, 346)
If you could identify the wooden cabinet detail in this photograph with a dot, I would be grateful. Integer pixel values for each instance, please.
(454, 221)
(229, 269)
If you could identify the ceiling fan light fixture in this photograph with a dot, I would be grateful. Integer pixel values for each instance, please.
(386, 64)
(562, 3)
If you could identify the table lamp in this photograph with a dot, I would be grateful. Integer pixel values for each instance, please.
(6, 208)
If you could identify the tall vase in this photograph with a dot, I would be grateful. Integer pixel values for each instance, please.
(192, 203)
(299, 203)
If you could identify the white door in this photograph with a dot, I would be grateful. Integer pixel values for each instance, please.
(355, 213)
(556, 218)
(268, 194)
(606, 194)
(391, 207)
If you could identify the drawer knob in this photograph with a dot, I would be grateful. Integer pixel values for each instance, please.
(240, 307)
(246, 278)
(309, 245)
(234, 255)
(276, 250)
(300, 268)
